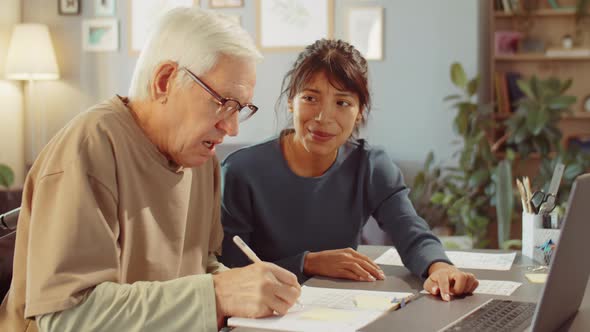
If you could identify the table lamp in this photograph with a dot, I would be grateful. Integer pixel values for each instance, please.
(31, 58)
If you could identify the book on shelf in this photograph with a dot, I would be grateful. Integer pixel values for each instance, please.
(502, 102)
(507, 91)
(565, 52)
(516, 6)
(506, 6)
(514, 92)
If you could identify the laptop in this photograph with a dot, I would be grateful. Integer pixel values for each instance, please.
(565, 285)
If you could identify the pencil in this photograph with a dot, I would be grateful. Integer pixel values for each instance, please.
(529, 193)
(522, 194)
(251, 254)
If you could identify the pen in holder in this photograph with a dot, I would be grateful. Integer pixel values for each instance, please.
(530, 222)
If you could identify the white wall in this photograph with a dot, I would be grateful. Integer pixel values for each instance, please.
(11, 98)
(409, 118)
(422, 39)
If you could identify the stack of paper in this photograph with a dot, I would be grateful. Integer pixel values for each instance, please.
(463, 260)
(328, 309)
(497, 287)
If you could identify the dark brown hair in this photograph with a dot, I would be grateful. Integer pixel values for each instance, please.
(343, 65)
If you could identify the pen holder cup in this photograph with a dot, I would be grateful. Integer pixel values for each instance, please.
(530, 222)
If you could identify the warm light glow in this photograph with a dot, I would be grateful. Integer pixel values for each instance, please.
(30, 54)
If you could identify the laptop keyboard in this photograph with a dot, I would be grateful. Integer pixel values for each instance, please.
(495, 315)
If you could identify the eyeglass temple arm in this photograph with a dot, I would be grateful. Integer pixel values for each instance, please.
(204, 85)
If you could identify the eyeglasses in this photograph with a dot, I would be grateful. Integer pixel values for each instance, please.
(227, 106)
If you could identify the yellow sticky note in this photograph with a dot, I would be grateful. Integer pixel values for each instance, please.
(327, 314)
(537, 278)
(373, 302)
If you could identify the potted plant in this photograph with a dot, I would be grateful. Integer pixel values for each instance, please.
(467, 192)
(534, 126)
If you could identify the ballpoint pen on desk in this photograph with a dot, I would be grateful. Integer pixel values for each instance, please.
(400, 303)
(251, 255)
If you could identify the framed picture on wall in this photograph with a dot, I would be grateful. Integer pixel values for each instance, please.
(365, 31)
(68, 7)
(226, 3)
(104, 7)
(284, 25)
(100, 35)
(143, 14)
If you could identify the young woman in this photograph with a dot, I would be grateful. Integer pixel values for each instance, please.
(301, 199)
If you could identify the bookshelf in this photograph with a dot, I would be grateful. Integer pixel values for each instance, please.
(548, 25)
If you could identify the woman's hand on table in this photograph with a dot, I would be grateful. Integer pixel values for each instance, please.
(342, 263)
(446, 280)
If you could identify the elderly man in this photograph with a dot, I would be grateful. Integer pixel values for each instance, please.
(120, 221)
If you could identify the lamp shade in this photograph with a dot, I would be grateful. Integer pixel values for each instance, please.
(30, 54)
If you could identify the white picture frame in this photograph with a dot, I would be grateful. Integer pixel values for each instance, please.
(105, 7)
(100, 35)
(226, 3)
(290, 25)
(143, 13)
(365, 31)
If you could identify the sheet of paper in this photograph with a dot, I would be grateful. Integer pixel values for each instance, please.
(326, 310)
(537, 278)
(464, 260)
(497, 287)
(390, 257)
(374, 302)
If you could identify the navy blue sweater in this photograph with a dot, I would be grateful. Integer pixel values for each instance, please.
(282, 216)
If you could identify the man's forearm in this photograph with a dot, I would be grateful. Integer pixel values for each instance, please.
(185, 304)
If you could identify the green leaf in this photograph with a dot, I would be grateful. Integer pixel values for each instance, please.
(519, 135)
(537, 120)
(525, 87)
(504, 200)
(429, 160)
(419, 181)
(566, 85)
(510, 154)
(447, 200)
(458, 76)
(478, 178)
(573, 170)
(472, 86)
(461, 122)
(437, 198)
(536, 87)
(561, 102)
(452, 97)
(6, 176)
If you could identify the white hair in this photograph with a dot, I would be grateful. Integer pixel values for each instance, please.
(193, 38)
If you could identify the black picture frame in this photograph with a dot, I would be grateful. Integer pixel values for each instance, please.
(62, 7)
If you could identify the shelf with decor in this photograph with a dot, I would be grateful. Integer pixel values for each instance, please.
(542, 41)
(537, 13)
(540, 57)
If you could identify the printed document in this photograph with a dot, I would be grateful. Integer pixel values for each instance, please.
(328, 309)
(461, 259)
